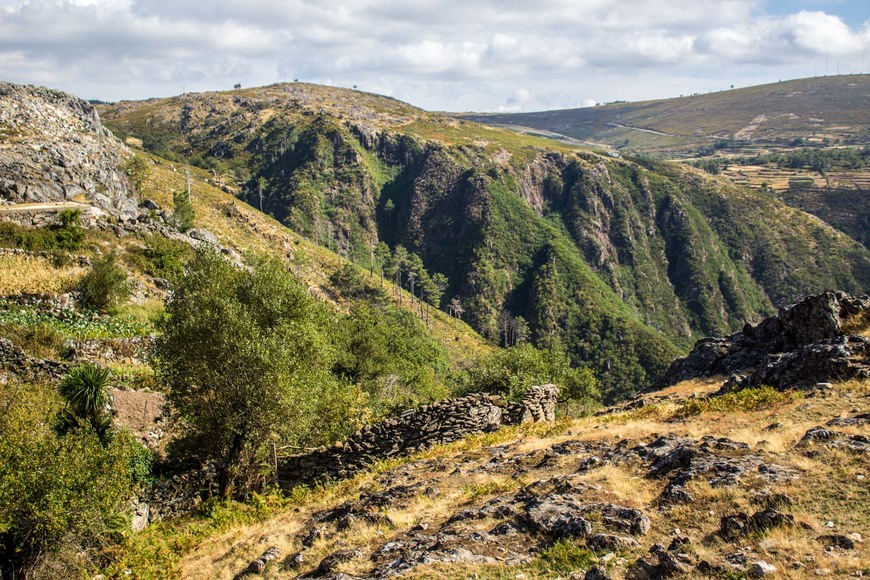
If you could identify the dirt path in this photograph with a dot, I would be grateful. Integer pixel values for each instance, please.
(36, 207)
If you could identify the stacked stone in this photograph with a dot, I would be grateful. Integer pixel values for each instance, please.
(15, 364)
(415, 430)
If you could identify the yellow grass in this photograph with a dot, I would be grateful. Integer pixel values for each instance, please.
(32, 274)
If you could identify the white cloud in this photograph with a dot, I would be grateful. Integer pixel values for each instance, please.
(454, 55)
(819, 32)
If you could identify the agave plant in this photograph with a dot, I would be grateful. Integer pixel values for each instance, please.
(84, 390)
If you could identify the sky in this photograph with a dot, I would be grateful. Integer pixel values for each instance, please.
(448, 55)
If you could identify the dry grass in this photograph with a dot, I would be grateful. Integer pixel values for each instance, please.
(32, 274)
(828, 490)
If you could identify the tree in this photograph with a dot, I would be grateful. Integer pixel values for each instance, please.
(184, 213)
(104, 286)
(247, 357)
(382, 257)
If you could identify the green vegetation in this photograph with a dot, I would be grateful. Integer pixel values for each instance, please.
(66, 235)
(566, 556)
(60, 496)
(137, 170)
(104, 285)
(184, 214)
(388, 353)
(85, 394)
(511, 371)
(68, 324)
(235, 379)
(814, 158)
(744, 400)
(161, 257)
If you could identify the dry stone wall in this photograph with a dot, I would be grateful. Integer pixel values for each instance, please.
(15, 364)
(415, 430)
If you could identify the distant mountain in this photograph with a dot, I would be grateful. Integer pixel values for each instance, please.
(623, 263)
(811, 110)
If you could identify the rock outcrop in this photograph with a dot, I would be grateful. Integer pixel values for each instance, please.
(415, 430)
(802, 345)
(55, 149)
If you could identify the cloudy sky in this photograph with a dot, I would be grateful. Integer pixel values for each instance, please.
(455, 55)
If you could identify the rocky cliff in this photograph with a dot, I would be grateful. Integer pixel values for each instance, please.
(53, 148)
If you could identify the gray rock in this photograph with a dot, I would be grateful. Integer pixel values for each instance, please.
(761, 568)
(203, 235)
(610, 543)
(558, 517)
(801, 346)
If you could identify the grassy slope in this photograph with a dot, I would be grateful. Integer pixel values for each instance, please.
(829, 489)
(811, 108)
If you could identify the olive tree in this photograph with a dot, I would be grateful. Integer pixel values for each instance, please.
(247, 357)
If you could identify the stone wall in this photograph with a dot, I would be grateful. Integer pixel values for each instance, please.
(415, 430)
(15, 364)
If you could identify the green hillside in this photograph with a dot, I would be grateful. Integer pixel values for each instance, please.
(622, 263)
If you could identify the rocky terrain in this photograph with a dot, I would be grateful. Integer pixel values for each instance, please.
(804, 344)
(53, 148)
(759, 484)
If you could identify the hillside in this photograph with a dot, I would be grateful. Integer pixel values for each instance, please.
(812, 110)
(622, 263)
(677, 485)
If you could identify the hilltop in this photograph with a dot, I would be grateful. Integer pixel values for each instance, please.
(811, 110)
(622, 262)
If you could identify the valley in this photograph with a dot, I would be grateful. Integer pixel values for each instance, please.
(303, 331)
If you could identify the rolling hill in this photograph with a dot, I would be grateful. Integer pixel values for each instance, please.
(812, 110)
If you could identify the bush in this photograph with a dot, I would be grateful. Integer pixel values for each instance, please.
(58, 495)
(67, 235)
(86, 396)
(510, 372)
(105, 285)
(745, 400)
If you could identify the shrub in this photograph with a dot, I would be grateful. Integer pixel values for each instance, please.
(67, 235)
(58, 495)
(86, 396)
(510, 372)
(746, 400)
(105, 285)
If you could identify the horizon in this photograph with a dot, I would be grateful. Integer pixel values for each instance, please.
(453, 57)
(495, 113)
